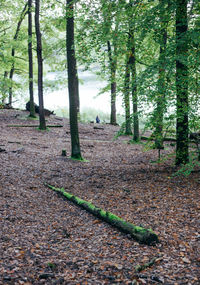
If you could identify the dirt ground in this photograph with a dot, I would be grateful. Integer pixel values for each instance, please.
(45, 239)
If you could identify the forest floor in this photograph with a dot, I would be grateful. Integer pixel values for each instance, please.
(45, 239)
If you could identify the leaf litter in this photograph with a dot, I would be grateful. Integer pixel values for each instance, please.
(45, 239)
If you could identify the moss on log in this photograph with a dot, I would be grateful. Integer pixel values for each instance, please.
(153, 139)
(142, 235)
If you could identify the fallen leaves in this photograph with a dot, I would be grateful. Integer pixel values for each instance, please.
(39, 229)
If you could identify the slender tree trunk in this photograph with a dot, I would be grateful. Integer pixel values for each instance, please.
(30, 56)
(127, 99)
(160, 100)
(182, 152)
(72, 81)
(23, 14)
(113, 69)
(40, 66)
(134, 87)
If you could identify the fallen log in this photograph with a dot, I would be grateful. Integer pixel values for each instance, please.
(153, 139)
(98, 128)
(34, 126)
(142, 235)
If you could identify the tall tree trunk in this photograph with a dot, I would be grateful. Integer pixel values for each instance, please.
(40, 66)
(127, 98)
(160, 100)
(30, 56)
(134, 87)
(182, 152)
(23, 14)
(113, 69)
(72, 81)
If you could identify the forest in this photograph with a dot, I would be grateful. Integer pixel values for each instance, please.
(100, 203)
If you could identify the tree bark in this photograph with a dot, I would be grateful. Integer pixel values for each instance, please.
(73, 87)
(160, 100)
(182, 152)
(140, 234)
(127, 98)
(40, 66)
(30, 56)
(134, 88)
(113, 69)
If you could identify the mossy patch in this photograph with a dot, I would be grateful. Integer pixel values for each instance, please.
(146, 236)
(43, 130)
(79, 159)
(35, 118)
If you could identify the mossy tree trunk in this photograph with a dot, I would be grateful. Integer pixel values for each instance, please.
(140, 234)
(30, 56)
(73, 87)
(134, 86)
(161, 100)
(127, 97)
(40, 66)
(182, 128)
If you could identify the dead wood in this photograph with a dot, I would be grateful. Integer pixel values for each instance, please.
(98, 128)
(140, 234)
(152, 139)
(33, 126)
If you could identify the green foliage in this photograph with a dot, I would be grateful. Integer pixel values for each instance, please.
(96, 24)
(187, 169)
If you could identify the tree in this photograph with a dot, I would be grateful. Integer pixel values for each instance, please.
(127, 91)
(182, 129)
(112, 32)
(113, 83)
(133, 71)
(30, 55)
(72, 81)
(160, 100)
(100, 43)
(23, 13)
(134, 88)
(40, 66)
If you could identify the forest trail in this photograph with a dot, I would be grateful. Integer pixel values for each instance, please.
(45, 239)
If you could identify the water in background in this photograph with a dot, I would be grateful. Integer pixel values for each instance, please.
(90, 102)
(88, 92)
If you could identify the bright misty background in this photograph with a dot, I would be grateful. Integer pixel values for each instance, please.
(91, 104)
